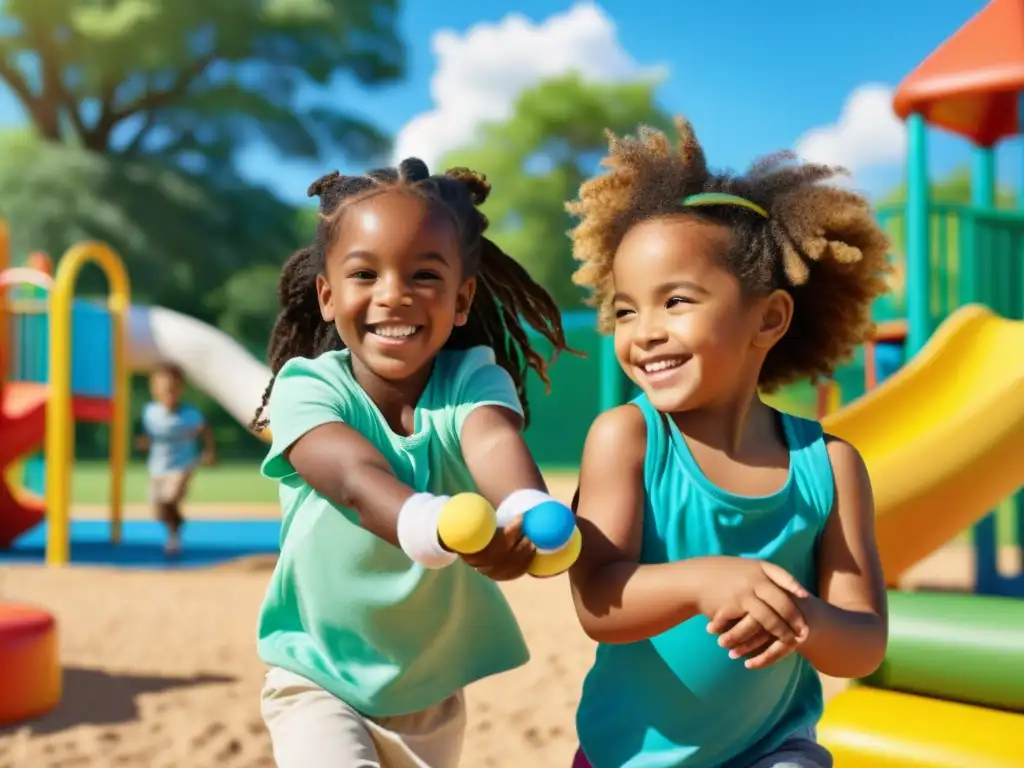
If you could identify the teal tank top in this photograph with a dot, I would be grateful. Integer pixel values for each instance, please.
(677, 699)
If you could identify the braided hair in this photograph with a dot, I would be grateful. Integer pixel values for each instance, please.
(506, 301)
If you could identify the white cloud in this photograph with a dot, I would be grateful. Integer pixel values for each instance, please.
(867, 135)
(480, 73)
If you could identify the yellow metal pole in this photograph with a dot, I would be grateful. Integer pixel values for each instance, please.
(835, 399)
(59, 425)
(60, 433)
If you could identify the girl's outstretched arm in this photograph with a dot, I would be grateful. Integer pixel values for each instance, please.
(343, 466)
(849, 622)
(496, 453)
(617, 599)
(489, 420)
(340, 464)
(312, 440)
(500, 463)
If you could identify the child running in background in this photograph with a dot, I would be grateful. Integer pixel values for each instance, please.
(400, 360)
(170, 431)
(729, 552)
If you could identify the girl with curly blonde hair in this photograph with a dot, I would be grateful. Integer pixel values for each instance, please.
(728, 549)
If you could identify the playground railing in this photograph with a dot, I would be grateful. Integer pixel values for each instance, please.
(977, 256)
(27, 308)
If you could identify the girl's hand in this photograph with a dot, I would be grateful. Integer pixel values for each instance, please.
(746, 637)
(753, 605)
(507, 557)
(743, 637)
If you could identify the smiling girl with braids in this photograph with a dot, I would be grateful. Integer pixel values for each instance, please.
(729, 551)
(400, 363)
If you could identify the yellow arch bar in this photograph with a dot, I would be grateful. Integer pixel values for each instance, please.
(60, 432)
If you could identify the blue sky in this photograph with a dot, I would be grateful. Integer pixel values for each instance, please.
(753, 76)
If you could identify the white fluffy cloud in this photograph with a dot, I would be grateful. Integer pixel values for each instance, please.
(867, 135)
(480, 73)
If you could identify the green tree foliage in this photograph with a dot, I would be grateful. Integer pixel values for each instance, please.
(136, 110)
(537, 159)
(194, 81)
(213, 252)
(187, 245)
(954, 188)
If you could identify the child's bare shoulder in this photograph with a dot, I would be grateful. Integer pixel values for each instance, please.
(842, 454)
(618, 434)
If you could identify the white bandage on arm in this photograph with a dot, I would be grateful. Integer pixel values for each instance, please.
(417, 531)
(517, 503)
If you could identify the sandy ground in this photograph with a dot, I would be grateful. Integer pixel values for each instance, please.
(160, 669)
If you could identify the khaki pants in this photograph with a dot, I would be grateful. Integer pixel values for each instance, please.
(169, 488)
(166, 492)
(311, 728)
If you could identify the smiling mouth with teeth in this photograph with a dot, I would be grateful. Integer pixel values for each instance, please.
(662, 365)
(393, 332)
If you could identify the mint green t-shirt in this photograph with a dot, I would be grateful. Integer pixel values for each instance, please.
(346, 609)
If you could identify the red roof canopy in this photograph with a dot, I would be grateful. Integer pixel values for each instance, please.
(969, 85)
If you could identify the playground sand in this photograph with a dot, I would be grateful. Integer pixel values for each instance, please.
(160, 670)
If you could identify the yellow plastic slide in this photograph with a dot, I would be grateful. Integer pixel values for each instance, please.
(943, 438)
(870, 728)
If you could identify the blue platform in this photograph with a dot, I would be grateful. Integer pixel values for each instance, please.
(203, 542)
(91, 365)
(91, 360)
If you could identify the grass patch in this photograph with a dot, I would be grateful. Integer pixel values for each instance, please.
(241, 483)
(229, 483)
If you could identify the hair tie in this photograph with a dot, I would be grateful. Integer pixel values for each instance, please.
(722, 198)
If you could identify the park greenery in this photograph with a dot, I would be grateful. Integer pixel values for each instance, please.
(136, 112)
(537, 159)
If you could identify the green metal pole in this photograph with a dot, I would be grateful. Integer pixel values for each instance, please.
(983, 198)
(988, 579)
(1020, 181)
(983, 178)
(613, 380)
(918, 281)
(1018, 499)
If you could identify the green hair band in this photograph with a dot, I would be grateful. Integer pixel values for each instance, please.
(723, 198)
